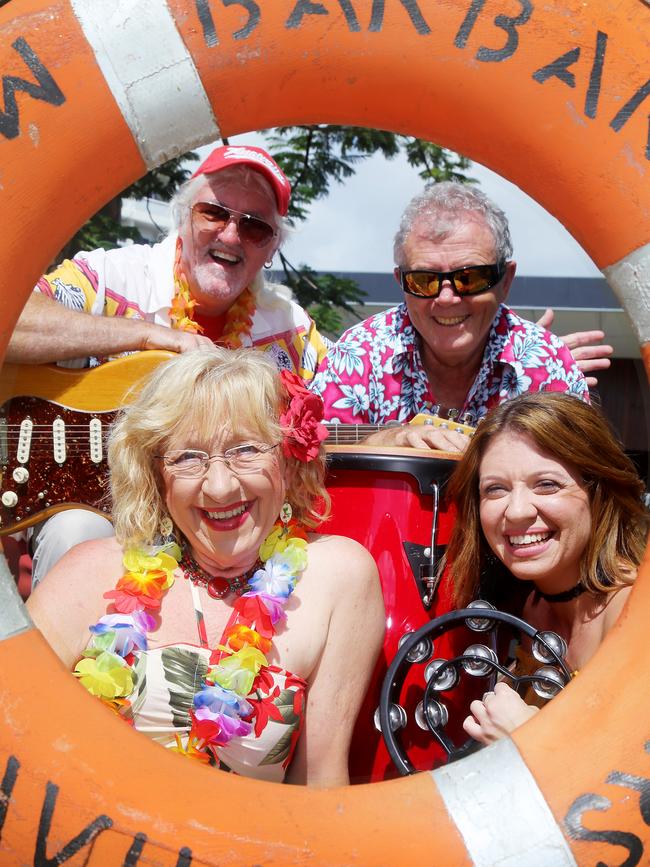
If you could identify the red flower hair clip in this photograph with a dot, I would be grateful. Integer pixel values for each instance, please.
(301, 420)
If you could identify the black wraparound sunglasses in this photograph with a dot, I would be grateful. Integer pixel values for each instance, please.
(470, 280)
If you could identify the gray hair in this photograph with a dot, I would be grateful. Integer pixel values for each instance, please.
(247, 178)
(440, 207)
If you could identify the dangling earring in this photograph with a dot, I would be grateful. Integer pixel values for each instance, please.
(286, 513)
(166, 529)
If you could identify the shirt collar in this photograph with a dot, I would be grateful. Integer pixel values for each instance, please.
(497, 348)
(404, 339)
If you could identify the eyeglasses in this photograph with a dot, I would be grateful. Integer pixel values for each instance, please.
(471, 280)
(214, 217)
(194, 463)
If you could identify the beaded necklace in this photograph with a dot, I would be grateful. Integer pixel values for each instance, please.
(239, 317)
(217, 587)
(220, 710)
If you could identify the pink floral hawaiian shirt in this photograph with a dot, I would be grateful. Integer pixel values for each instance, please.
(374, 372)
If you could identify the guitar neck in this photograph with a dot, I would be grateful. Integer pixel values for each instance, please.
(349, 434)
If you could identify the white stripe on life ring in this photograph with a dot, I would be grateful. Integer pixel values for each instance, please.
(150, 73)
(500, 812)
(630, 279)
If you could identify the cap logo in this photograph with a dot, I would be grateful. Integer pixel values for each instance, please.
(242, 153)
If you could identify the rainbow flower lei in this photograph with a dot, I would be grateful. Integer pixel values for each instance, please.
(220, 711)
(239, 318)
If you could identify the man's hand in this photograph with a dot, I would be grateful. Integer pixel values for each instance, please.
(497, 715)
(173, 340)
(590, 355)
(48, 332)
(419, 436)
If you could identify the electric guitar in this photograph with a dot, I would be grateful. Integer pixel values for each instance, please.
(54, 423)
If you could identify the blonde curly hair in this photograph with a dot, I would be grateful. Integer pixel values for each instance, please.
(200, 390)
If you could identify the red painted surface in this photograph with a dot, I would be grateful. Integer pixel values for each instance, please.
(382, 509)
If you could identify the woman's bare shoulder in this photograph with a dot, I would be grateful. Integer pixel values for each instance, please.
(70, 596)
(79, 578)
(346, 576)
(613, 607)
(101, 557)
(340, 554)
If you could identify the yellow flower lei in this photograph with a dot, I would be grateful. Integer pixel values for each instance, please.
(220, 709)
(239, 318)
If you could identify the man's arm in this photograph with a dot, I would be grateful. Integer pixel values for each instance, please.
(589, 353)
(47, 331)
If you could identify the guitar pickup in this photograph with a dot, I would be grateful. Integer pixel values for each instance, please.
(58, 440)
(24, 440)
(95, 435)
(4, 441)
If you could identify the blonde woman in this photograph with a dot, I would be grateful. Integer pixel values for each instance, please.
(234, 635)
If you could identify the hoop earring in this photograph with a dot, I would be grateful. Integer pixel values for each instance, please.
(269, 264)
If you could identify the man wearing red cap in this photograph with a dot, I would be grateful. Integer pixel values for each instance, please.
(203, 283)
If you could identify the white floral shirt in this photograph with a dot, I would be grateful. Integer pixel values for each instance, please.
(374, 373)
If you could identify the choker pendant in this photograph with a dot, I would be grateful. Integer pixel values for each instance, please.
(217, 587)
(220, 587)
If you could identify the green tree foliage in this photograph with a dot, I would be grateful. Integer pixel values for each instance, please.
(313, 158)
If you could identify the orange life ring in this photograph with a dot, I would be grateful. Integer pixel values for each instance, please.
(554, 96)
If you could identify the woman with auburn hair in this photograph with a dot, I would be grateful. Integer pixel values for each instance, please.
(232, 635)
(551, 526)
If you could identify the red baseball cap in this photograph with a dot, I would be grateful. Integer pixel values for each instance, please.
(258, 159)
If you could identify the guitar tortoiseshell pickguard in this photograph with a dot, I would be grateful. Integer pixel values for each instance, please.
(50, 486)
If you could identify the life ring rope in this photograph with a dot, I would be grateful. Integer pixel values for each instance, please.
(506, 813)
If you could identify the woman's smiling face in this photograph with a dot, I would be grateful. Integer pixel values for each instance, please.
(225, 515)
(535, 512)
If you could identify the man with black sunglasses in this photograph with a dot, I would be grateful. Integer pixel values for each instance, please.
(452, 345)
(204, 283)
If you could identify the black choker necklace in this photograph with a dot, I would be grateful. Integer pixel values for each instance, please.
(564, 596)
(218, 588)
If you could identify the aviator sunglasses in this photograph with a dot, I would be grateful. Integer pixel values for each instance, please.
(470, 280)
(214, 217)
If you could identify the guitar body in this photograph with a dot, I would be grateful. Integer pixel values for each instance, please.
(95, 389)
(82, 404)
